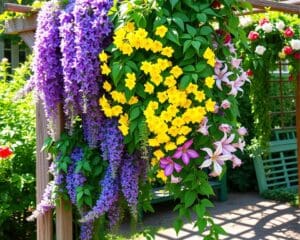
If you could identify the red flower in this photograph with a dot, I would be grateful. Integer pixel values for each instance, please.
(297, 55)
(253, 36)
(227, 38)
(288, 32)
(291, 78)
(216, 4)
(249, 73)
(5, 152)
(263, 21)
(287, 50)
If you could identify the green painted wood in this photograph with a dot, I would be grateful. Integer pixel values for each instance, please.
(279, 168)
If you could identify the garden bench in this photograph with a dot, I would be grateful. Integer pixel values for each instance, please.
(279, 168)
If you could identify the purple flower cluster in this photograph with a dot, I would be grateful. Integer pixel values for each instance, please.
(130, 182)
(46, 64)
(109, 195)
(86, 230)
(74, 179)
(112, 145)
(114, 215)
(92, 26)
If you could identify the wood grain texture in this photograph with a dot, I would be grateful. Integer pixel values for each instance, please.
(19, 25)
(64, 220)
(17, 8)
(278, 6)
(44, 223)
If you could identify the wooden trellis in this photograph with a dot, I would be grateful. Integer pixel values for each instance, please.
(25, 27)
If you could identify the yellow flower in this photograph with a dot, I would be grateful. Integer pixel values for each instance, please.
(103, 56)
(149, 88)
(176, 71)
(124, 129)
(170, 81)
(107, 86)
(199, 96)
(209, 82)
(153, 105)
(170, 146)
(180, 140)
(192, 88)
(208, 54)
(126, 49)
(281, 55)
(148, 44)
(211, 62)
(153, 142)
(161, 31)
(156, 46)
(167, 51)
(141, 32)
(118, 97)
(133, 100)
(185, 130)
(105, 70)
(161, 175)
(162, 137)
(146, 67)
(166, 116)
(116, 110)
(162, 96)
(210, 105)
(158, 154)
(129, 27)
(156, 78)
(130, 80)
(154, 161)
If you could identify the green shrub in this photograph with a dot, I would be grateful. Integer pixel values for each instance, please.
(282, 195)
(17, 175)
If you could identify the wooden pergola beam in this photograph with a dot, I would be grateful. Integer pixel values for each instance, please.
(277, 6)
(18, 8)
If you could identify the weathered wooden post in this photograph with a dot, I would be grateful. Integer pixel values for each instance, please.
(298, 124)
(25, 27)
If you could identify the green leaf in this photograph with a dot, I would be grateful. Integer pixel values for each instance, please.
(191, 30)
(116, 73)
(134, 113)
(202, 17)
(206, 203)
(185, 81)
(200, 210)
(206, 189)
(186, 45)
(219, 230)
(189, 198)
(200, 66)
(189, 68)
(86, 166)
(179, 22)
(177, 224)
(201, 224)
(196, 45)
(173, 36)
(88, 201)
(205, 30)
(174, 3)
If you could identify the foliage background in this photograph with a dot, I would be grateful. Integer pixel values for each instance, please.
(17, 175)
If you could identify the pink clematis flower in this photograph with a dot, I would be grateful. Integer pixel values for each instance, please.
(235, 62)
(221, 75)
(169, 165)
(240, 144)
(236, 86)
(185, 153)
(203, 128)
(175, 179)
(226, 144)
(236, 162)
(215, 159)
(225, 128)
(225, 104)
(242, 131)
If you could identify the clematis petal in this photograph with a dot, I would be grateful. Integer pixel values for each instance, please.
(219, 148)
(206, 163)
(224, 157)
(192, 153)
(185, 158)
(217, 168)
(177, 167)
(169, 169)
(188, 144)
(208, 151)
(177, 154)
(175, 179)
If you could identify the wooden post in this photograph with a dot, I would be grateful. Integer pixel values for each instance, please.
(64, 225)
(298, 124)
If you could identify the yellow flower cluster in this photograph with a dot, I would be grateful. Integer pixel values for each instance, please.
(210, 57)
(127, 38)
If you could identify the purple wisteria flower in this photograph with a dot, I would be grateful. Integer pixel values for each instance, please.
(92, 27)
(73, 179)
(86, 230)
(130, 182)
(112, 146)
(46, 66)
(109, 194)
(185, 153)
